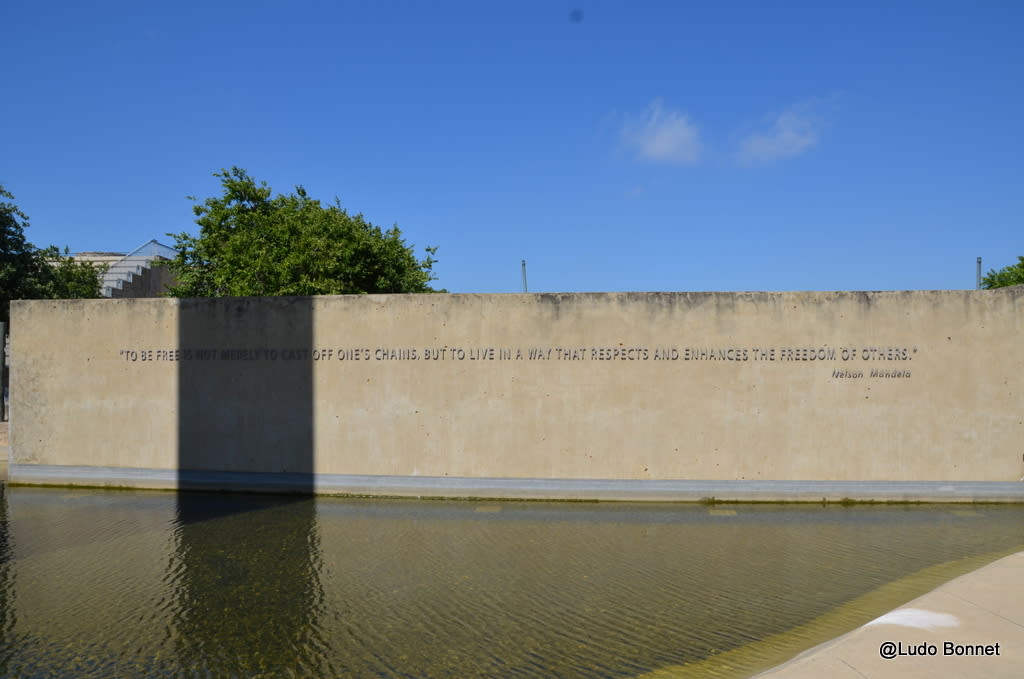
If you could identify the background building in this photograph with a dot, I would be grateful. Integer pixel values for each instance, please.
(139, 273)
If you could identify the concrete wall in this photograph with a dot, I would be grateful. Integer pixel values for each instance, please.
(811, 386)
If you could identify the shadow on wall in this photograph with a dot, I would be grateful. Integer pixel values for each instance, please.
(245, 396)
(247, 561)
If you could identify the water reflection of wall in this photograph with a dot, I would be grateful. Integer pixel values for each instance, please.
(114, 584)
(7, 619)
(247, 588)
(84, 585)
(118, 584)
(530, 589)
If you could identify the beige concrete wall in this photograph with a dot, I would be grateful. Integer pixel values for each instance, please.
(922, 385)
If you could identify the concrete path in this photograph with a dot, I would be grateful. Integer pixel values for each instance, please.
(970, 627)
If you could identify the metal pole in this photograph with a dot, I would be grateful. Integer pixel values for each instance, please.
(525, 289)
(977, 276)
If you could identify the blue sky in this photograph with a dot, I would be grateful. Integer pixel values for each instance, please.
(613, 145)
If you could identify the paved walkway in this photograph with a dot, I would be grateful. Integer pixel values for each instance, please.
(970, 627)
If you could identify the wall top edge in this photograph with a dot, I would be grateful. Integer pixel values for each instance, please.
(1012, 291)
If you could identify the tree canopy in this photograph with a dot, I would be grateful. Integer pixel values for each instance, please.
(28, 272)
(1012, 274)
(253, 244)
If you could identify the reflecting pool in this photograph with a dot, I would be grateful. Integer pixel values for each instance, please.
(151, 584)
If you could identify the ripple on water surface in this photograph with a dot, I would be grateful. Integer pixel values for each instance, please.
(109, 584)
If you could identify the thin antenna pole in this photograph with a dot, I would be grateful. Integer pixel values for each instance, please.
(525, 289)
(977, 276)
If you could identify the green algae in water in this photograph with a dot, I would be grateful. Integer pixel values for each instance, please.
(107, 584)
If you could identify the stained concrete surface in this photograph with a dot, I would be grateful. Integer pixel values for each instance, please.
(981, 613)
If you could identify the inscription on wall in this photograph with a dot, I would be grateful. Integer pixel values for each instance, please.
(848, 359)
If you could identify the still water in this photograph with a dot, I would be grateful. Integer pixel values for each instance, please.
(151, 584)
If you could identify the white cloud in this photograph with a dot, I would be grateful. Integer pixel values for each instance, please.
(794, 131)
(663, 135)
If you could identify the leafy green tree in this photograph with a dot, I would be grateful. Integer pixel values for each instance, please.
(1012, 274)
(69, 278)
(19, 265)
(253, 244)
(26, 272)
